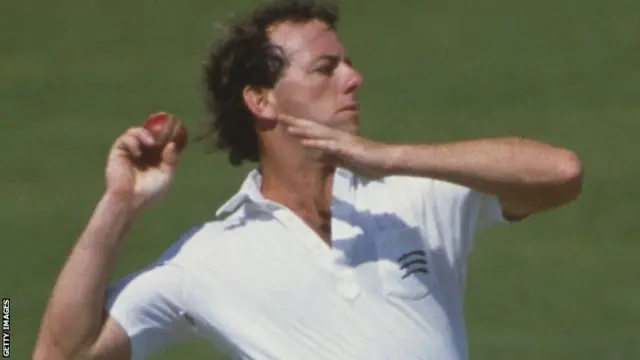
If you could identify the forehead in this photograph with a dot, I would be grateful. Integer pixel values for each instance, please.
(304, 42)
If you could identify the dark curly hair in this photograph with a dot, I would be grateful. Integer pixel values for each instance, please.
(246, 57)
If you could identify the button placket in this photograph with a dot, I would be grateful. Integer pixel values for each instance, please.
(304, 233)
(349, 290)
(347, 282)
(328, 258)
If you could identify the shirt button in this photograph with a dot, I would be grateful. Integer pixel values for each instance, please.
(348, 290)
(344, 272)
(338, 257)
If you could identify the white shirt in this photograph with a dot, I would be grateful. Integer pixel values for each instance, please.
(264, 285)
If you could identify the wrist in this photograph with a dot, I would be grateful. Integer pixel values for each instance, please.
(119, 204)
(396, 164)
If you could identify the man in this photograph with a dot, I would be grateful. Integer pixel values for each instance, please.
(336, 247)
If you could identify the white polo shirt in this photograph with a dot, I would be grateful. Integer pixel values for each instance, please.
(264, 286)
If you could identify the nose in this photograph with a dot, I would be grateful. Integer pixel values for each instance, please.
(353, 79)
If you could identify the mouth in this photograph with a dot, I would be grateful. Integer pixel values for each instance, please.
(351, 107)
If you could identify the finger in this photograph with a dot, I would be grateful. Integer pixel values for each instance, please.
(300, 131)
(130, 144)
(170, 157)
(327, 145)
(144, 136)
(288, 119)
(299, 122)
(141, 135)
(314, 130)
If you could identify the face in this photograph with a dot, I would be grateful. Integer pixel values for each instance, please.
(320, 83)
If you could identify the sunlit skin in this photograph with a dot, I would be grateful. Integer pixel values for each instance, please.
(319, 83)
(308, 124)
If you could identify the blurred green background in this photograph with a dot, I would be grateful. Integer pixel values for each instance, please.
(563, 285)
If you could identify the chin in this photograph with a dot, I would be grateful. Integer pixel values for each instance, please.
(349, 123)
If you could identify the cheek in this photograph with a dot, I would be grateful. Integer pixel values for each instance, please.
(306, 97)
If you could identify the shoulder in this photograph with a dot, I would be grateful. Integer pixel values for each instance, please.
(424, 185)
(448, 199)
(426, 195)
(191, 242)
(211, 241)
(416, 189)
(431, 192)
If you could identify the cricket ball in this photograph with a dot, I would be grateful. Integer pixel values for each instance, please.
(165, 128)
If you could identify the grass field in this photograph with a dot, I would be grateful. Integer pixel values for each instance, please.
(563, 285)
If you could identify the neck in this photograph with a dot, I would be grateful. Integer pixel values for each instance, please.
(305, 187)
(299, 187)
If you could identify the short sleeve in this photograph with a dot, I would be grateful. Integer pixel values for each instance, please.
(149, 305)
(466, 211)
(458, 213)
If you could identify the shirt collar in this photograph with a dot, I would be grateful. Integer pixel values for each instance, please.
(250, 190)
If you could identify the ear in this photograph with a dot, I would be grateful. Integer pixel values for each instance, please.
(260, 102)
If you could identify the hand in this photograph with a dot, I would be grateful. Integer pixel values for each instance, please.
(365, 157)
(134, 176)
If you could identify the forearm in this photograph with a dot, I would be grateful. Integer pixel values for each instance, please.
(530, 175)
(74, 316)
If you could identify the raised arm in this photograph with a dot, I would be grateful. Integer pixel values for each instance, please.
(526, 175)
(74, 325)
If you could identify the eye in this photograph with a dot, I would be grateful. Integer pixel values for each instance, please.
(348, 61)
(327, 68)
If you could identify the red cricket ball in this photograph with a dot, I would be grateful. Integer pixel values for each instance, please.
(166, 127)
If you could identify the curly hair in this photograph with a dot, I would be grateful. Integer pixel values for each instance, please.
(246, 57)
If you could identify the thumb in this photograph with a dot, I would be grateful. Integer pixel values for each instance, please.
(169, 157)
